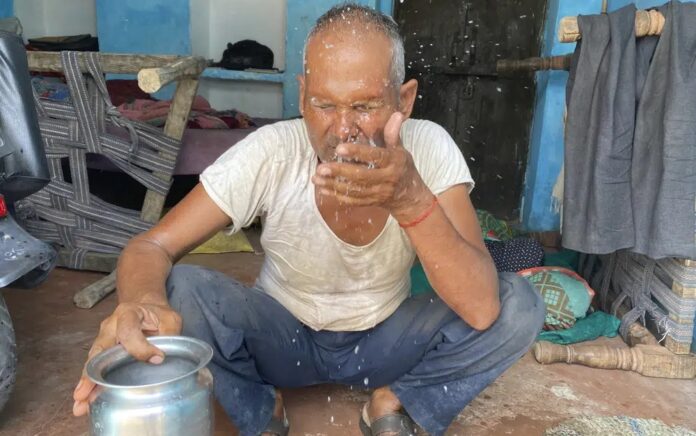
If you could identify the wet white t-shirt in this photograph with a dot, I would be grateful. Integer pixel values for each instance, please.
(326, 283)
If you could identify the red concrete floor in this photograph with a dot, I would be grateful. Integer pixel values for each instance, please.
(53, 337)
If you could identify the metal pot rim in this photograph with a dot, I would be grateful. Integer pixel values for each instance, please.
(173, 345)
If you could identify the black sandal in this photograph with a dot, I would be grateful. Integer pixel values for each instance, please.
(277, 426)
(396, 423)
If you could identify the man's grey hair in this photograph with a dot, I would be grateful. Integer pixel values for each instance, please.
(352, 12)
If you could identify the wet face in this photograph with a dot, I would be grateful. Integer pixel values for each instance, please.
(346, 94)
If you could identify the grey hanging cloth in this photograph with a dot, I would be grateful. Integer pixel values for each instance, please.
(597, 213)
(664, 152)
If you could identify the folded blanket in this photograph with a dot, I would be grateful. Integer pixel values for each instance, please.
(202, 115)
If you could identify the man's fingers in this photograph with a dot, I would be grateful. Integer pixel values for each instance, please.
(129, 333)
(80, 408)
(367, 154)
(170, 323)
(350, 200)
(356, 173)
(342, 186)
(392, 130)
(83, 388)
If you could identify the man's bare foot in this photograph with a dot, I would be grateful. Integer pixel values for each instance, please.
(278, 411)
(382, 402)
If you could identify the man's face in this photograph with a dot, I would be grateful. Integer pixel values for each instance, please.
(347, 94)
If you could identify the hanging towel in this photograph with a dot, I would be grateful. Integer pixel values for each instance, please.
(664, 152)
(597, 217)
(630, 142)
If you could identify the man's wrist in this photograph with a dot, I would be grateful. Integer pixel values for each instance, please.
(417, 205)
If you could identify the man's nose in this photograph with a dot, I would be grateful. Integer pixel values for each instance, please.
(345, 125)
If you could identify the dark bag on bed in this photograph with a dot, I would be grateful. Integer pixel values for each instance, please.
(65, 43)
(246, 54)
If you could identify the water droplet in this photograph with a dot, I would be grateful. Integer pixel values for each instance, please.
(431, 300)
(523, 16)
(366, 381)
(472, 159)
(357, 348)
(445, 388)
(332, 419)
(293, 340)
(499, 89)
(328, 399)
(298, 363)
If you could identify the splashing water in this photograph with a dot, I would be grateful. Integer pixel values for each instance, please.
(371, 165)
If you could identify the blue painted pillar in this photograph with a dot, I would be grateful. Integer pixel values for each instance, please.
(6, 8)
(539, 210)
(301, 16)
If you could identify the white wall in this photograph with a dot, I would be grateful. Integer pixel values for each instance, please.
(56, 18)
(214, 23)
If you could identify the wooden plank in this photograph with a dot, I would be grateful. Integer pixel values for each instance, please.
(153, 79)
(100, 262)
(647, 23)
(174, 128)
(249, 76)
(110, 62)
(87, 297)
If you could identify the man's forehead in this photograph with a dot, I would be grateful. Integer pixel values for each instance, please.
(346, 43)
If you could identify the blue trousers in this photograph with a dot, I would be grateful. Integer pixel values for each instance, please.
(432, 360)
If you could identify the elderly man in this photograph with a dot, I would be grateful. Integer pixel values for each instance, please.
(350, 195)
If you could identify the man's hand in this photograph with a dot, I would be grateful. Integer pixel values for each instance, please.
(128, 325)
(376, 176)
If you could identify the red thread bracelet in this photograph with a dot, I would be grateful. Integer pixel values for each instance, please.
(422, 216)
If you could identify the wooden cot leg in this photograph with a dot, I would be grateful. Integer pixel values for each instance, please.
(87, 297)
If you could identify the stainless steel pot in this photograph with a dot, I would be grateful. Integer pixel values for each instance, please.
(137, 398)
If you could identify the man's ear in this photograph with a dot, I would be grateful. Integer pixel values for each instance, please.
(301, 83)
(407, 97)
